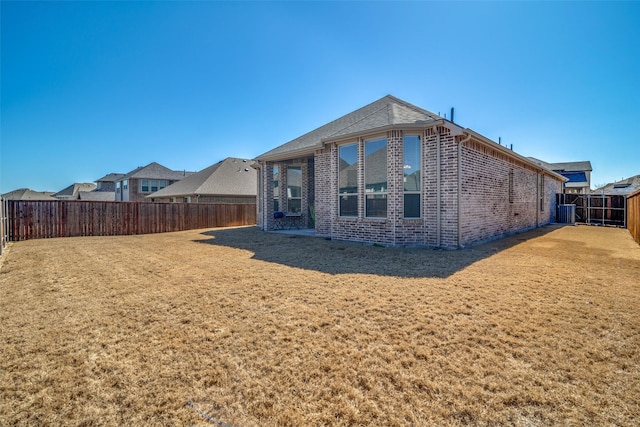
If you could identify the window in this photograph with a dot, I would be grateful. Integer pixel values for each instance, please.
(276, 190)
(125, 185)
(187, 200)
(152, 185)
(118, 187)
(294, 189)
(412, 181)
(348, 180)
(375, 178)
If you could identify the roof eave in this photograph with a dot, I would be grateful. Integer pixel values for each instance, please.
(303, 152)
(394, 126)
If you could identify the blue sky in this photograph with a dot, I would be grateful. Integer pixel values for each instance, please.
(90, 88)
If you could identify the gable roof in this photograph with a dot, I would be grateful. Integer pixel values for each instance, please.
(231, 176)
(155, 171)
(386, 111)
(28, 194)
(73, 189)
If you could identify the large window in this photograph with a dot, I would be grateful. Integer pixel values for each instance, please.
(411, 166)
(294, 189)
(276, 189)
(348, 180)
(375, 177)
(152, 185)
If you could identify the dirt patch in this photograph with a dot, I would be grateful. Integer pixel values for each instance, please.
(252, 328)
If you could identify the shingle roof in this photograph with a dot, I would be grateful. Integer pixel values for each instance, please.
(28, 194)
(155, 171)
(386, 111)
(101, 196)
(112, 177)
(622, 187)
(73, 189)
(565, 166)
(231, 176)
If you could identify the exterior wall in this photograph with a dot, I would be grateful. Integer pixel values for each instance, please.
(133, 193)
(106, 186)
(266, 199)
(325, 185)
(489, 209)
(499, 194)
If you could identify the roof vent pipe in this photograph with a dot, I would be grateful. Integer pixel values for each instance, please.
(452, 115)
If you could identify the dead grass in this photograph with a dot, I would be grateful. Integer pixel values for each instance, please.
(256, 329)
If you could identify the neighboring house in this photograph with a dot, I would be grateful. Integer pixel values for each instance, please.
(108, 182)
(231, 180)
(577, 173)
(71, 192)
(144, 180)
(396, 174)
(624, 187)
(28, 194)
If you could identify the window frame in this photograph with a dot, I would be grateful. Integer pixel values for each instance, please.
(276, 185)
(348, 195)
(406, 192)
(376, 195)
(290, 197)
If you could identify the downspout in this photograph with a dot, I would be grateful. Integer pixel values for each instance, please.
(438, 201)
(460, 142)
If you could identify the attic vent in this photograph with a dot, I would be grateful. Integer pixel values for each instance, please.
(244, 161)
(246, 169)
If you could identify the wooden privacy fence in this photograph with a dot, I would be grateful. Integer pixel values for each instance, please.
(4, 224)
(44, 219)
(597, 208)
(633, 215)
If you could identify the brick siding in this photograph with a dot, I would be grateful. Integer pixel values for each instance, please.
(500, 194)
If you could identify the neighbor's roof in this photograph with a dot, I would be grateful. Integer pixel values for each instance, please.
(623, 187)
(386, 111)
(73, 189)
(155, 171)
(581, 166)
(100, 196)
(112, 177)
(231, 176)
(28, 194)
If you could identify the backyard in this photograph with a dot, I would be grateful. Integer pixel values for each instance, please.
(239, 327)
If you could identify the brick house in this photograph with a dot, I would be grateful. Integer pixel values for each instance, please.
(396, 174)
(231, 180)
(144, 180)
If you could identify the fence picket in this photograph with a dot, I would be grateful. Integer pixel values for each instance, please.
(44, 219)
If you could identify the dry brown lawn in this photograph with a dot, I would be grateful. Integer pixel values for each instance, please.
(245, 328)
